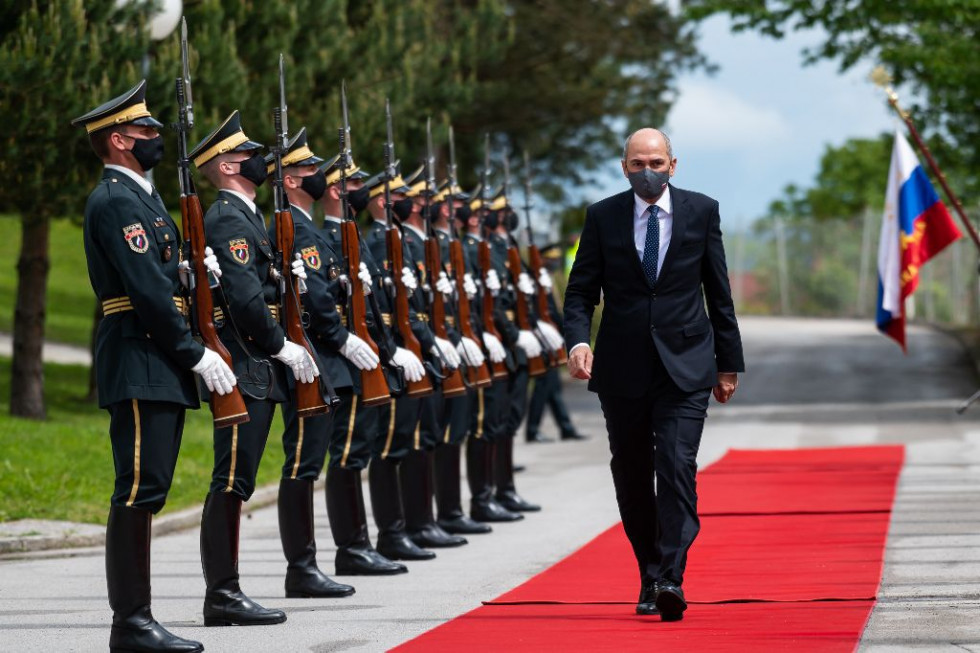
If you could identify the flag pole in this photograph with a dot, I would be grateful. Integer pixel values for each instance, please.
(881, 77)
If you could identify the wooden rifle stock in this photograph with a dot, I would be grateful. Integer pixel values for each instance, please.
(227, 409)
(452, 385)
(374, 386)
(544, 310)
(393, 240)
(309, 400)
(535, 366)
(478, 375)
(499, 370)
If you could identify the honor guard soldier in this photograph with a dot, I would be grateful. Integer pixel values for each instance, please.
(144, 353)
(247, 313)
(305, 439)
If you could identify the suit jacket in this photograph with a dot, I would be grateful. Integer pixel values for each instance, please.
(686, 318)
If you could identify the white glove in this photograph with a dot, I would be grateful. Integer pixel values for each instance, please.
(184, 273)
(524, 284)
(409, 363)
(469, 287)
(359, 352)
(530, 344)
(298, 268)
(443, 285)
(544, 280)
(494, 349)
(365, 276)
(550, 335)
(211, 262)
(217, 376)
(470, 352)
(493, 281)
(448, 353)
(409, 280)
(299, 361)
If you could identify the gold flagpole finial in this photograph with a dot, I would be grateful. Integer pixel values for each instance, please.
(883, 79)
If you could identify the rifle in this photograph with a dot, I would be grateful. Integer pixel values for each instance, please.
(309, 399)
(536, 264)
(396, 256)
(452, 384)
(374, 386)
(476, 376)
(498, 370)
(227, 409)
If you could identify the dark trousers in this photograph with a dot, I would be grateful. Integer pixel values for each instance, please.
(354, 431)
(547, 393)
(238, 450)
(398, 429)
(488, 411)
(444, 421)
(145, 437)
(304, 441)
(517, 401)
(657, 435)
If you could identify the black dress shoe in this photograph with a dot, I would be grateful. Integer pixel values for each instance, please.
(647, 603)
(519, 468)
(512, 501)
(573, 435)
(670, 601)
(537, 438)
(432, 536)
(309, 583)
(231, 608)
(365, 561)
(399, 546)
(489, 510)
(463, 525)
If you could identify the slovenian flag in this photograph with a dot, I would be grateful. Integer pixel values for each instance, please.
(915, 227)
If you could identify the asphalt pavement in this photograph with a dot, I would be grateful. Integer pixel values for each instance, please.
(809, 383)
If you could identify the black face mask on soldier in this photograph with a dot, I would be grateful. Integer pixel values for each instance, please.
(491, 220)
(315, 185)
(147, 151)
(402, 208)
(253, 169)
(512, 221)
(358, 199)
(463, 213)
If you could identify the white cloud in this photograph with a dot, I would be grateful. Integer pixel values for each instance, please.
(709, 116)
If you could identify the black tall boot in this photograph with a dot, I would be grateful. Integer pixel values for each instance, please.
(393, 539)
(303, 578)
(503, 472)
(448, 500)
(479, 468)
(348, 523)
(127, 571)
(416, 481)
(224, 602)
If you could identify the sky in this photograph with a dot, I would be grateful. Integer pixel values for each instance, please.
(762, 121)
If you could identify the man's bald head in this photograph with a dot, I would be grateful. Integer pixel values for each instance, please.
(645, 133)
(648, 148)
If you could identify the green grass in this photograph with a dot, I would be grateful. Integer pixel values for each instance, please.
(62, 468)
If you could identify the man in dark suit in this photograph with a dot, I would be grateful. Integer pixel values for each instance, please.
(655, 254)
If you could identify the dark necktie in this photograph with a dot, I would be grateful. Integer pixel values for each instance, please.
(651, 249)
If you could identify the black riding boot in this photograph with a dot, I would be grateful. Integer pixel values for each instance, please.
(449, 503)
(503, 472)
(393, 540)
(224, 602)
(303, 578)
(127, 570)
(416, 481)
(348, 523)
(479, 467)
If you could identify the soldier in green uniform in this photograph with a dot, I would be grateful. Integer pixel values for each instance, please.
(144, 353)
(247, 313)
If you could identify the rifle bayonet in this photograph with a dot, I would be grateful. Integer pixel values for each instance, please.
(188, 108)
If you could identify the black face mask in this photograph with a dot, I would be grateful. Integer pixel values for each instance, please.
(647, 183)
(463, 213)
(358, 199)
(253, 169)
(315, 185)
(512, 221)
(491, 220)
(402, 208)
(147, 151)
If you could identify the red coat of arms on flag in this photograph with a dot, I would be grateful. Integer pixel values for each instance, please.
(311, 256)
(239, 250)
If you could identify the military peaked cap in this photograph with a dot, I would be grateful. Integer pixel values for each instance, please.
(332, 170)
(229, 137)
(298, 153)
(130, 107)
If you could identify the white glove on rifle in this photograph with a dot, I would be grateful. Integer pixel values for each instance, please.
(530, 344)
(298, 268)
(494, 349)
(443, 285)
(550, 336)
(216, 374)
(299, 361)
(210, 264)
(448, 353)
(409, 280)
(544, 280)
(357, 351)
(365, 276)
(493, 281)
(524, 284)
(410, 364)
(470, 352)
(469, 286)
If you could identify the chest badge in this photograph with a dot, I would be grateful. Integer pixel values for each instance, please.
(312, 257)
(239, 250)
(135, 235)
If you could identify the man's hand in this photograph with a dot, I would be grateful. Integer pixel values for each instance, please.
(727, 382)
(580, 363)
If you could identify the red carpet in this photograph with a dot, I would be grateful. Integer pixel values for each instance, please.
(789, 557)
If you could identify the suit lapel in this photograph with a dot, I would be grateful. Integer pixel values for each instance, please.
(680, 206)
(155, 204)
(626, 211)
(253, 219)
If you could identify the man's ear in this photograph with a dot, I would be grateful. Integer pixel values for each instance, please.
(117, 140)
(334, 192)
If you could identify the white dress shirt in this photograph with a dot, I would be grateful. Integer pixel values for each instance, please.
(302, 212)
(666, 219)
(249, 203)
(139, 179)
